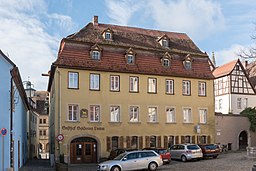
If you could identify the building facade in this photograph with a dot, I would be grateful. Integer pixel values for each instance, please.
(122, 87)
(233, 93)
(14, 117)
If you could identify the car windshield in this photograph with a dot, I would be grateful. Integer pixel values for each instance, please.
(210, 147)
(120, 156)
(192, 147)
(162, 151)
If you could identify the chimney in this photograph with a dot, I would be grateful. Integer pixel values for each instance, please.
(95, 20)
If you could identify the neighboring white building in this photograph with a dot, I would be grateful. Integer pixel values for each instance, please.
(233, 93)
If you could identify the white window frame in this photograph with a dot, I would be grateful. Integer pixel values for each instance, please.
(187, 115)
(220, 103)
(130, 59)
(134, 114)
(239, 103)
(152, 85)
(152, 114)
(170, 115)
(187, 64)
(114, 83)
(166, 62)
(186, 87)
(73, 80)
(73, 110)
(96, 55)
(203, 116)
(201, 88)
(108, 35)
(245, 103)
(165, 43)
(94, 81)
(169, 85)
(114, 113)
(134, 84)
(94, 114)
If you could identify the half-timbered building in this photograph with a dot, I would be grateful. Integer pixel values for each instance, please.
(233, 93)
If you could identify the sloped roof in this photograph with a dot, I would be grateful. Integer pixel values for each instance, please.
(6, 58)
(225, 69)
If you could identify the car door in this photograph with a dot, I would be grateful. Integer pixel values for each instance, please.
(130, 161)
(173, 151)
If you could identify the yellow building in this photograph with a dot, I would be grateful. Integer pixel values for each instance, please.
(123, 87)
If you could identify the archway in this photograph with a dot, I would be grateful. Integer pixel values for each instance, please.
(83, 150)
(243, 140)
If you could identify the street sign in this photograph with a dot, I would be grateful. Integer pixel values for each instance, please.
(60, 137)
(3, 131)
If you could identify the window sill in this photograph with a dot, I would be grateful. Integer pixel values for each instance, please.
(134, 122)
(117, 123)
(153, 122)
(188, 123)
(70, 121)
(170, 122)
(90, 122)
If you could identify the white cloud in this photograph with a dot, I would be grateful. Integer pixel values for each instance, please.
(24, 37)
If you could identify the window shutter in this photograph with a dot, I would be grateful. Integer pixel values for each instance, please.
(147, 141)
(182, 139)
(177, 140)
(140, 142)
(208, 139)
(108, 144)
(159, 141)
(121, 142)
(128, 142)
(193, 139)
(166, 142)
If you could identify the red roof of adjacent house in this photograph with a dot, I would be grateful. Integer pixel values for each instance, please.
(225, 69)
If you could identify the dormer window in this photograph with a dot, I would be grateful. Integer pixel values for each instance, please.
(187, 62)
(108, 34)
(164, 41)
(95, 52)
(130, 56)
(166, 60)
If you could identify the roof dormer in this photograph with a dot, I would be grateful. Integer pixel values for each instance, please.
(166, 60)
(187, 62)
(95, 52)
(108, 34)
(130, 56)
(164, 41)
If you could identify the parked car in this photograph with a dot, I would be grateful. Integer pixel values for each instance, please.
(210, 150)
(116, 152)
(186, 152)
(166, 155)
(133, 160)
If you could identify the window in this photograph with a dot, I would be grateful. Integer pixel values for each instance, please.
(239, 103)
(72, 112)
(115, 142)
(170, 113)
(169, 87)
(202, 116)
(134, 142)
(44, 132)
(73, 80)
(94, 81)
(114, 83)
(186, 87)
(171, 141)
(166, 62)
(187, 65)
(94, 113)
(134, 114)
(108, 36)
(153, 141)
(187, 115)
(245, 102)
(152, 85)
(96, 55)
(40, 121)
(220, 104)
(134, 84)
(130, 59)
(40, 132)
(44, 121)
(152, 114)
(201, 88)
(165, 43)
(114, 114)
(187, 139)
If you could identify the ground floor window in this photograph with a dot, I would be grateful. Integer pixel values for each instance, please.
(134, 142)
(115, 142)
(152, 141)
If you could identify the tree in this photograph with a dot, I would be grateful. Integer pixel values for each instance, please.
(249, 53)
(250, 113)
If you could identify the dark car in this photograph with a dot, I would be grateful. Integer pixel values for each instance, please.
(210, 150)
(166, 155)
(115, 152)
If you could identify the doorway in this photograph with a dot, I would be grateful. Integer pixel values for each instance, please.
(243, 140)
(83, 150)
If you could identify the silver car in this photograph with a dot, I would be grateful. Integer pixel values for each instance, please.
(133, 160)
(186, 152)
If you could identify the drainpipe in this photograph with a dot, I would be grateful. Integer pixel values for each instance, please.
(11, 123)
(59, 113)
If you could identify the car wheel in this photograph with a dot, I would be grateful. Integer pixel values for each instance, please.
(115, 168)
(152, 166)
(183, 158)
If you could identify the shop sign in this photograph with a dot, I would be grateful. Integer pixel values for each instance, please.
(84, 113)
(83, 128)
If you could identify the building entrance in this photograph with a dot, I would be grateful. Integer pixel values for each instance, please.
(83, 150)
(243, 140)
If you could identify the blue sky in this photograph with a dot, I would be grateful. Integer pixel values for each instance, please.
(31, 30)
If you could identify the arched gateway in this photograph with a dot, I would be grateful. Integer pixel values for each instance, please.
(83, 150)
(243, 140)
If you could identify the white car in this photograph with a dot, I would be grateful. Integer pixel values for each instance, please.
(186, 152)
(133, 160)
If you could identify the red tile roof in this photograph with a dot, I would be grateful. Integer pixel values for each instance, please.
(225, 69)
